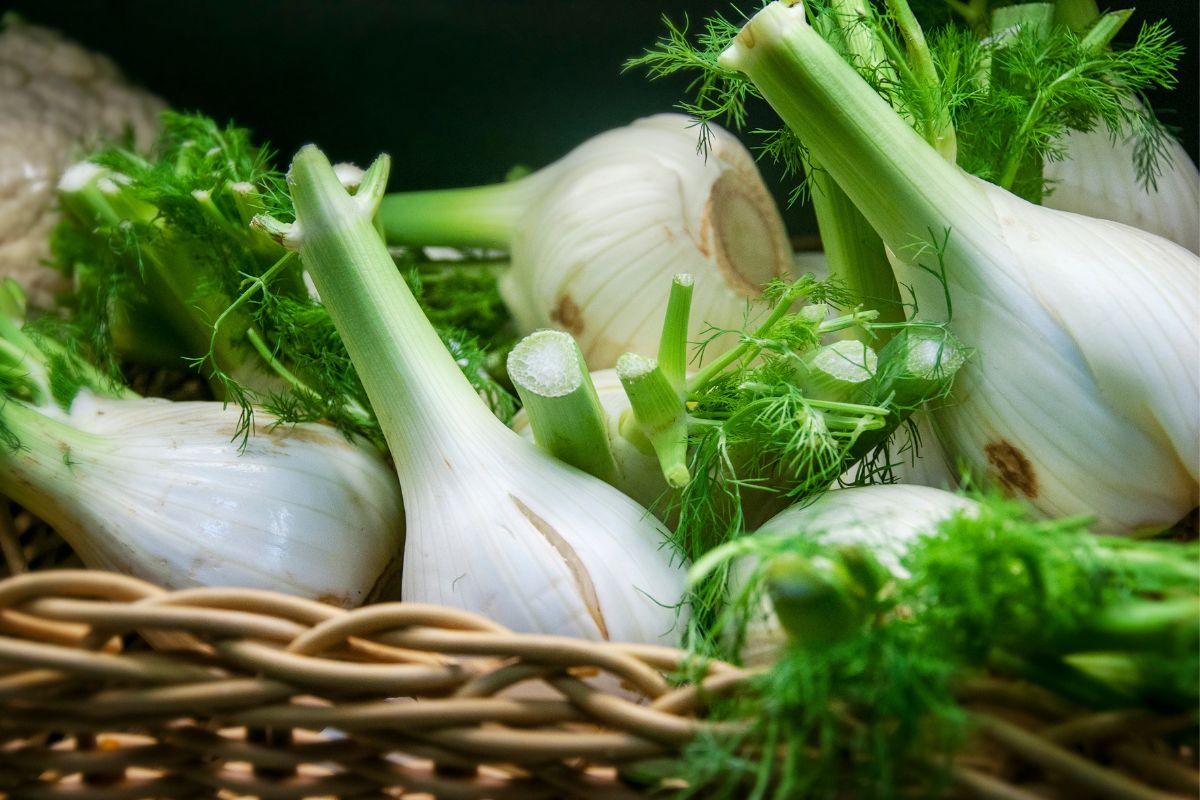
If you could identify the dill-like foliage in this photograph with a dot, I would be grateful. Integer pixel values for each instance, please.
(1009, 98)
(1042, 85)
(168, 269)
(763, 437)
(873, 712)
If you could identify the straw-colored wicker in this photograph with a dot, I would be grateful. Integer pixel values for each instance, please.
(256, 694)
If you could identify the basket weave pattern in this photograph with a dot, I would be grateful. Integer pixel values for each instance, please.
(248, 693)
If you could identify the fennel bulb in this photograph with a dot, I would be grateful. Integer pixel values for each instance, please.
(885, 520)
(160, 490)
(594, 235)
(1083, 398)
(494, 525)
(1098, 177)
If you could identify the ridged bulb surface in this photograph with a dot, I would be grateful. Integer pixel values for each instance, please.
(616, 218)
(499, 528)
(885, 519)
(1084, 394)
(1098, 177)
(160, 491)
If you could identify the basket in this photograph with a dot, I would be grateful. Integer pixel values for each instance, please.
(256, 694)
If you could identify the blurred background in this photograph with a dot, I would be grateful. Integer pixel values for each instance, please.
(457, 91)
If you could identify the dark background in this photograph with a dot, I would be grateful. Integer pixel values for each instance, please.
(457, 91)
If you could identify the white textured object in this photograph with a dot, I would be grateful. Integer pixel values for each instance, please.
(159, 490)
(55, 98)
(609, 225)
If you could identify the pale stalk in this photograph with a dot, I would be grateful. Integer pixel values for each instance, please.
(839, 372)
(475, 216)
(854, 253)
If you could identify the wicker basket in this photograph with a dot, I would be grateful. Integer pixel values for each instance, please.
(256, 694)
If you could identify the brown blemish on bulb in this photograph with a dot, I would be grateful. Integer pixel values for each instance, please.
(1013, 470)
(567, 316)
(579, 573)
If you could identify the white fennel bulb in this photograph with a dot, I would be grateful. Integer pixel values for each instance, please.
(161, 490)
(494, 525)
(1098, 177)
(884, 519)
(917, 458)
(1084, 395)
(596, 236)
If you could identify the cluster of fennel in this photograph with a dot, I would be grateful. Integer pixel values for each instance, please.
(774, 420)
(160, 245)
(776, 415)
(1082, 398)
(876, 602)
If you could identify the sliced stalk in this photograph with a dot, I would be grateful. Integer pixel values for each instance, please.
(246, 199)
(659, 412)
(840, 372)
(822, 600)
(556, 390)
(919, 365)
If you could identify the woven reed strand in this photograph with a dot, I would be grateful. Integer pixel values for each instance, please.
(255, 694)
